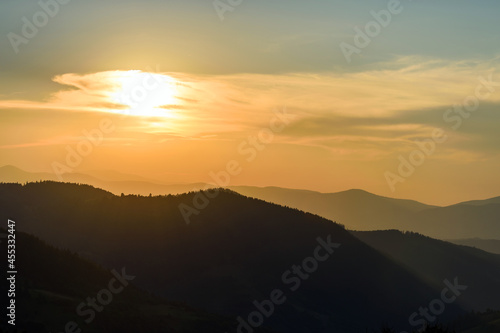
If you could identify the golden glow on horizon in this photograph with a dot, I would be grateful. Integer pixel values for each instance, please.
(347, 131)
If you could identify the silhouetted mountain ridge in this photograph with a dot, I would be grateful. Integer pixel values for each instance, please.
(51, 284)
(356, 209)
(234, 252)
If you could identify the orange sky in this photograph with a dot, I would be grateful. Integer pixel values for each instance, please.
(173, 92)
(324, 132)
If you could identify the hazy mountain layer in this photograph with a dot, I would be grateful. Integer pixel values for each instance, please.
(356, 209)
(434, 260)
(488, 245)
(235, 252)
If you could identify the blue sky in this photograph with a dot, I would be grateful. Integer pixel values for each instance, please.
(257, 37)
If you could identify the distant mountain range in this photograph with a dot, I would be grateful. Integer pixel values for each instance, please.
(489, 245)
(114, 182)
(238, 250)
(435, 260)
(235, 253)
(355, 209)
(360, 210)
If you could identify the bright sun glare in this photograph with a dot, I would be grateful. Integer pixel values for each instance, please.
(145, 94)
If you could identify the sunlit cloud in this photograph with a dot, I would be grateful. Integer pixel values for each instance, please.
(350, 124)
(384, 102)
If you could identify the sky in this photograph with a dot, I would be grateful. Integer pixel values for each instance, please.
(399, 98)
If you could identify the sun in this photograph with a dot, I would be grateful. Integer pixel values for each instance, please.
(145, 94)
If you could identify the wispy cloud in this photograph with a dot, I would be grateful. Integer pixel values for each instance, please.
(400, 101)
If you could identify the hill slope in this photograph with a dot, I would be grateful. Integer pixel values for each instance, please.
(360, 210)
(51, 284)
(487, 322)
(356, 209)
(236, 251)
(434, 260)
